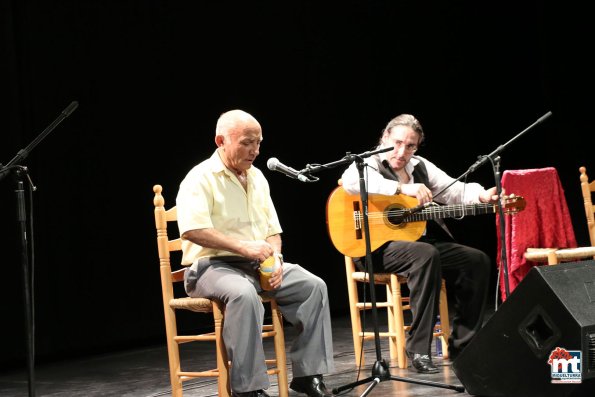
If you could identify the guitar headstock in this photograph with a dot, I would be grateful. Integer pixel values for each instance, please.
(513, 204)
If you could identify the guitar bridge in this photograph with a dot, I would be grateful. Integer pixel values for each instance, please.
(357, 219)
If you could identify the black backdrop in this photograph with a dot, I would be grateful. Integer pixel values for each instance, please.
(151, 78)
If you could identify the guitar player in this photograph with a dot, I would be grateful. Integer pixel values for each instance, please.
(435, 255)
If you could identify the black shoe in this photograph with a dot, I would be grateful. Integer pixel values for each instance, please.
(255, 393)
(422, 363)
(312, 385)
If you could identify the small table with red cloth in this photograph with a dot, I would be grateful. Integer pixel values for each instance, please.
(544, 223)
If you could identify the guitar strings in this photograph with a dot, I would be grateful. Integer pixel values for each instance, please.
(436, 209)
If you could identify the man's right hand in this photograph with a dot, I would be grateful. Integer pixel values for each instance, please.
(417, 190)
(259, 250)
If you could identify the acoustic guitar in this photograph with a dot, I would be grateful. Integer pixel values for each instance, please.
(397, 217)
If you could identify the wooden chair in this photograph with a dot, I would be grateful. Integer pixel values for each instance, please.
(395, 304)
(553, 256)
(171, 303)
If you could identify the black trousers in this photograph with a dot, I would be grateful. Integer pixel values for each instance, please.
(425, 262)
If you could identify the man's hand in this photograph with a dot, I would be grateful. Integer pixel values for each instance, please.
(417, 190)
(277, 276)
(259, 250)
(491, 196)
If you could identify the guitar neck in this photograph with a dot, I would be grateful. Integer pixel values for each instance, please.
(448, 211)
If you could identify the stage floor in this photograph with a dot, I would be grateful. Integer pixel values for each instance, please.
(144, 373)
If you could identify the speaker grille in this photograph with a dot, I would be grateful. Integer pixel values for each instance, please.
(539, 331)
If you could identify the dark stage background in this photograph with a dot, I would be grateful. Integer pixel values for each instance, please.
(151, 78)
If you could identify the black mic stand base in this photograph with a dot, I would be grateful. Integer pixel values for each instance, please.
(381, 373)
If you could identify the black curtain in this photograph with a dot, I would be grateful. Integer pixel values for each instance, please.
(151, 78)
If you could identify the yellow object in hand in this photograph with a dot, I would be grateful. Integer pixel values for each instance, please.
(266, 271)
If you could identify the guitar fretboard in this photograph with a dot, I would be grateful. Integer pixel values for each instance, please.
(433, 211)
(444, 211)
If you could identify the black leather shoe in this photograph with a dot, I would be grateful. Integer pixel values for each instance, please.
(422, 363)
(255, 393)
(312, 385)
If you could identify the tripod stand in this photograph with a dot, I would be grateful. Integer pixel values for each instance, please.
(380, 369)
(20, 172)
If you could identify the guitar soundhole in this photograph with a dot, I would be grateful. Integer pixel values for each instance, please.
(393, 216)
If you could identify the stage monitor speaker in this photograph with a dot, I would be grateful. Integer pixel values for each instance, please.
(550, 315)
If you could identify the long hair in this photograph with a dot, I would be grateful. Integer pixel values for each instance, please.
(407, 120)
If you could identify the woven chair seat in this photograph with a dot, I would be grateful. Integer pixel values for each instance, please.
(199, 305)
(383, 278)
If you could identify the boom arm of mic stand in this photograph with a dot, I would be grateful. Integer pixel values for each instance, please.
(348, 159)
(500, 148)
(482, 159)
(23, 153)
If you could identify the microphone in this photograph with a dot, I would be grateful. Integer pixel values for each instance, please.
(275, 165)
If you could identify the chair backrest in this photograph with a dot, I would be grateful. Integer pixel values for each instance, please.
(165, 245)
(588, 188)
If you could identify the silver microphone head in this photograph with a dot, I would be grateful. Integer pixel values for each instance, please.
(272, 163)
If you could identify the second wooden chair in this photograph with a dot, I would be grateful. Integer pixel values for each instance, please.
(395, 304)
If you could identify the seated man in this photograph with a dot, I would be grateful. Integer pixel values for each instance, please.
(229, 225)
(435, 255)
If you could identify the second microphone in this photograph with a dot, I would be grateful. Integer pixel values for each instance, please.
(275, 165)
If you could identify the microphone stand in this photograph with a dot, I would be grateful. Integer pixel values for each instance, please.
(494, 159)
(380, 369)
(20, 173)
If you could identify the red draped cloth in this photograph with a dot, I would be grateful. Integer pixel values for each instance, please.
(544, 223)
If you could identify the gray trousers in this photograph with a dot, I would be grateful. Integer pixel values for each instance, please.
(303, 301)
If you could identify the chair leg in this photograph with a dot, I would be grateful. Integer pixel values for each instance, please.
(280, 350)
(356, 324)
(224, 387)
(552, 258)
(399, 322)
(173, 352)
(444, 320)
(391, 313)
